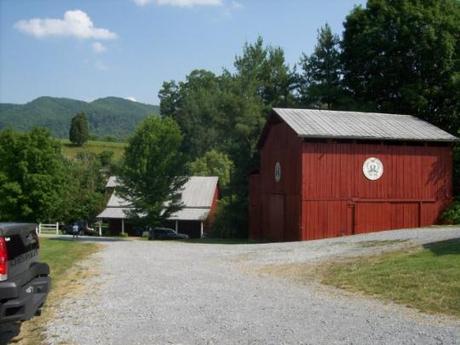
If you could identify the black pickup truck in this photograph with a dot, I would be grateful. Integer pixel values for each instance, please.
(24, 282)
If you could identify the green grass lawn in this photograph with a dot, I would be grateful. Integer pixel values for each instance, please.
(61, 255)
(427, 278)
(96, 147)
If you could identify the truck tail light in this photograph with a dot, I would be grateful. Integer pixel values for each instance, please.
(3, 260)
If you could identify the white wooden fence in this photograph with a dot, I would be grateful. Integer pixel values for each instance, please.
(48, 228)
(53, 228)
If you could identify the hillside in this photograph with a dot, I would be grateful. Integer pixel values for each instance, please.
(110, 116)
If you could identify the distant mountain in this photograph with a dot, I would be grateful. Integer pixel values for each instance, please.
(110, 116)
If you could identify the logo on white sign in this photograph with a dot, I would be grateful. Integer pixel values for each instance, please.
(373, 168)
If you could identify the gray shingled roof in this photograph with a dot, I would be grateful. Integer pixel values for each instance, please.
(312, 123)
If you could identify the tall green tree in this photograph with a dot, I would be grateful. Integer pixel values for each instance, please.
(153, 170)
(404, 57)
(321, 76)
(194, 105)
(86, 190)
(213, 163)
(263, 70)
(79, 130)
(34, 177)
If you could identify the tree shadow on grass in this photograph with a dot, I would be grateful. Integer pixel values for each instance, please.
(448, 247)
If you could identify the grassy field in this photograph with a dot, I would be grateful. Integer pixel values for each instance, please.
(67, 275)
(61, 255)
(425, 278)
(95, 147)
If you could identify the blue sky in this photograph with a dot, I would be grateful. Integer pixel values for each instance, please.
(127, 48)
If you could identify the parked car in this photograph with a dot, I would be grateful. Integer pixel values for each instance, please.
(165, 234)
(24, 282)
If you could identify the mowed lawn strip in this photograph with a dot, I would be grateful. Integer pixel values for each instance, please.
(67, 276)
(426, 278)
(61, 255)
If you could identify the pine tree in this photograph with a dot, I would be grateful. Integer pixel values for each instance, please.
(320, 81)
(79, 131)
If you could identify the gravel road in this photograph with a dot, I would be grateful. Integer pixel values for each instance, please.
(184, 293)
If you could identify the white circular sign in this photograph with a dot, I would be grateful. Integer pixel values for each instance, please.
(373, 168)
(277, 172)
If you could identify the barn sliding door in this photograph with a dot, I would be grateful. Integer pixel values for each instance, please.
(378, 216)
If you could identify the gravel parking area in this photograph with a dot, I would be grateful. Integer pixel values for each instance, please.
(185, 293)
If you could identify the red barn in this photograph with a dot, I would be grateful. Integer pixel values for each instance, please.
(333, 173)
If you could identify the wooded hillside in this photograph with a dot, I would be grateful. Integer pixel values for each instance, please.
(107, 117)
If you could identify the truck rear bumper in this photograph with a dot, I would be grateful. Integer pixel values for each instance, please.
(30, 299)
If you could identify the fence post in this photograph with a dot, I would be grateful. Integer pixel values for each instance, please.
(39, 228)
(100, 228)
(57, 228)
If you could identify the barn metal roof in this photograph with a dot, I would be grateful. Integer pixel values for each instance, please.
(199, 191)
(112, 182)
(117, 201)
(190, 214)
(114, 213)
(311, 123)
(197, 197)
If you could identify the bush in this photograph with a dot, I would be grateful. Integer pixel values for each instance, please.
(231, 218)
(452, 214)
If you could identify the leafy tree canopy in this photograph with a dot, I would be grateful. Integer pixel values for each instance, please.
(213, 163)
(34, 177)
(153, 170)
(404, 57)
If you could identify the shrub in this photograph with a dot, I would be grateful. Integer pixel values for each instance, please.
(452, 214)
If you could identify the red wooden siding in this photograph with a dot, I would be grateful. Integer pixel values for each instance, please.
(275, 213)
(324, 193)
(338, 200)
(208, 224)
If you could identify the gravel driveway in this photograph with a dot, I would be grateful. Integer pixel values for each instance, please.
(184, 293)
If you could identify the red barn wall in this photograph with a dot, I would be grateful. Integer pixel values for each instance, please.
(275, 206)
(337, 199)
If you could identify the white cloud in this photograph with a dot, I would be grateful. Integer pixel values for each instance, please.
(236, 5)
(142, 2)
(101, 66)
(132, 99)
(74, 24)
(180, 3)
(98, 47)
